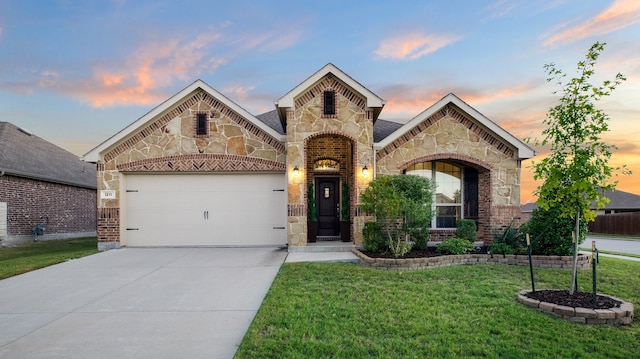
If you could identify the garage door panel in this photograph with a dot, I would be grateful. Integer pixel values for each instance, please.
(224, 210)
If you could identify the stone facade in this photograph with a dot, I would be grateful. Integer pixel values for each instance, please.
(167, 140)
(451, 135)
(346, 137)
(169, 144)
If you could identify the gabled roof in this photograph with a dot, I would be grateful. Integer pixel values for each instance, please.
(95, 154)
(522, 151)
(373, 101)
(23, 154)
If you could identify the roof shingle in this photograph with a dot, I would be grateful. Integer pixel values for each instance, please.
(23, 154)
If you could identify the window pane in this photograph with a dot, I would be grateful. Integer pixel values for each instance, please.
(448, 183)
(420, 169)
(446, 216)
(201, 124)
(329, 103)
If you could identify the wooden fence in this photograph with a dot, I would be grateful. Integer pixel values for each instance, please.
(619, 223)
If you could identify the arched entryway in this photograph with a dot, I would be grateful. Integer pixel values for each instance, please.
(329, 164)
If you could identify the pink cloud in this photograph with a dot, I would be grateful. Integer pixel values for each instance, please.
(405, 102)
(413, 46)
(621, 14)
(239, 92)
(154, 65)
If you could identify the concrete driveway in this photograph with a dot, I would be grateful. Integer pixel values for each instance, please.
(137, 303)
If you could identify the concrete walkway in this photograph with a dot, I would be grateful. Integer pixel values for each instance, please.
(137, 303)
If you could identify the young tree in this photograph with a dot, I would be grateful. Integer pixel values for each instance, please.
(577, 171)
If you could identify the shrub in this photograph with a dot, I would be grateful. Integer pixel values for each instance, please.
(550, 234)
(421, 240)
(511, 237)
(501, 248)
(466, 228)
(455, 246)
(311, 204)
(344, 209)
(372, 238)
(402, 206)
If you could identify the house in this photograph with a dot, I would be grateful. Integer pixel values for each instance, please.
(43, 185)
(199, 169)
(619, 202)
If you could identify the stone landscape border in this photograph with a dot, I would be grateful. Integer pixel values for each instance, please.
(563, 262)
(611, 316)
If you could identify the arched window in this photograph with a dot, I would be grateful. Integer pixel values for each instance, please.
(456, 194)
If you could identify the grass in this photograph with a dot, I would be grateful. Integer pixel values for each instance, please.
(612, 252)
(342, 310)
(36, 255)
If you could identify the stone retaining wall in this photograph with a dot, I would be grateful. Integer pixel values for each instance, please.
(612, 316)
(564, 262)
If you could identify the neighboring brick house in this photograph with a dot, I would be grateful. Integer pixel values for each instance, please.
(42, 184)
(200, 170)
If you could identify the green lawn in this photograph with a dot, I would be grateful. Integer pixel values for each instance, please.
(612, 252)
(342, 310)
(35, 255)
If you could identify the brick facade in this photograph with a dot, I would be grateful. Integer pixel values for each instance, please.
(70, 210)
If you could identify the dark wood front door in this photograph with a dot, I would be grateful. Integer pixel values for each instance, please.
(327, 206)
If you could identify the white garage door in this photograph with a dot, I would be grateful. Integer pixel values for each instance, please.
(206, 210)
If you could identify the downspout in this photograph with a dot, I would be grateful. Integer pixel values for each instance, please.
(373, 171)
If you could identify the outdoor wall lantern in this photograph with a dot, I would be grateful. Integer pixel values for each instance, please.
(296, 171)
(365, 171)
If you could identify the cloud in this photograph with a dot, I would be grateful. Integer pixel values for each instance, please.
(239, 92)
(153, 66)
(406, 101)
(621, 14)
(413, 46)
(281, 38)
(142, 77)
(502, 8)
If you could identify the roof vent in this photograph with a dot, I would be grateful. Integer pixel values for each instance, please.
(25, 131)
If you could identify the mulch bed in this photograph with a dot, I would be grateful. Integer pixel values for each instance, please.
(578, 299)
(416, 253)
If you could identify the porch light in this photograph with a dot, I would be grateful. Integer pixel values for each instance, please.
(296, 171)
(365, 171)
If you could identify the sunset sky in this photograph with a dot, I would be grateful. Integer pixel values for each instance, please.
(76, 72)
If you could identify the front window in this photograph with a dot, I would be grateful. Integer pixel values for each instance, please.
(448, 194)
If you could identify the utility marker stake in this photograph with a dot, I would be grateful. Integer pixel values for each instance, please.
(593, 264)
(533, 284)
